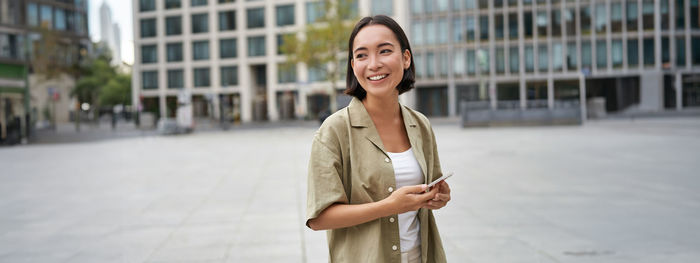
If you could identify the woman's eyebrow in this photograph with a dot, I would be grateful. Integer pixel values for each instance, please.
(385, 44)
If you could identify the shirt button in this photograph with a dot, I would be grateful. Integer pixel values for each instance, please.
(394, 247)
(391, 219)
(387, 160)
(391, 189)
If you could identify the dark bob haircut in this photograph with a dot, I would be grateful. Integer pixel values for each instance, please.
(353, 87)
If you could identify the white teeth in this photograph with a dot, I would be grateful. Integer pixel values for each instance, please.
(377, 77)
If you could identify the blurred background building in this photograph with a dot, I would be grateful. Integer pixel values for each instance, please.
(635, 55)
(30, 32)
(110, 33)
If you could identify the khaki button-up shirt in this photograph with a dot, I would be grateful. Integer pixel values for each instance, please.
(349, 165)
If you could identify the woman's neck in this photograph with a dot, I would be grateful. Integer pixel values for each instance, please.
(382, 108)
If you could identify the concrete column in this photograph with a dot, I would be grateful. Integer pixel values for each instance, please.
(550, 92)
(162, 106)
(492, 93)
(679, 91)
(651, 91)
(451, 90)
(582, 97)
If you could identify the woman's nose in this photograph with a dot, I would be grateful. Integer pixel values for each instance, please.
(374, 63)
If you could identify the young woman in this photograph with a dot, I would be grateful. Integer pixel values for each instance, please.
(371, 160)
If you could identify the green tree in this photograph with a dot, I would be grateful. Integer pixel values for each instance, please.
(322, 45)
(97, 75)
(117, 91)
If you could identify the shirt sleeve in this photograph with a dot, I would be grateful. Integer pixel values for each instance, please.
(325, 186)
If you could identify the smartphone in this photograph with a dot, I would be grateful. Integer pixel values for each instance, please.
(442, 178)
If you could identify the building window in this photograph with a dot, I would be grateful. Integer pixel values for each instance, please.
(665, 52)
(694, 13)
(601, 51)
(60, 19)
(585, 20)
(556, 23)
(680, 14)
(648, 51)
(417, 6)
(227, 20)
(201, 77)
(557, 53)
(483, 4)
(529, 58)
(459, 63)
(513, 25)
(417, 34)
(471, 62)
(286, 74)
(443, 64)
(500, 60)
(457, 31)
(442, 31)
(200, 23)
(280, 42)
(632, 15)
(285, 15)
(149, 79)
(483, 59)
(149, 54)
(542, 23)
(680, 51)
(32, 14)
(601, 18)
(695, 43)
(255, 17)
(200, 50)
(616, 53)
(175, 79)
(314, 12)
(571, 62)
(173, 25)
(648, 15)
(430, 31)
(229, 76)
(616, 17)
(664, 15)
(228, 48)
(528, 24)
(316, 74)
(148, 27)
(471, 28)
(430, 65)
(484, 27)
(46, 18)
(542, 58)
(256, 46)
(514, 60)
(570, 21)
(499, 24)
(199, 2)
(470, 4)
(418, 61)
(382, 7)
(226, 1)
(632, 52)
(174, 52)
(147, 5)
(586, 54)
(171, 4)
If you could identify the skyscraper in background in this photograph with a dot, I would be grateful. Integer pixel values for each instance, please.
(109, 32)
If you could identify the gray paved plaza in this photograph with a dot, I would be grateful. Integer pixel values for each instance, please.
(609, 191)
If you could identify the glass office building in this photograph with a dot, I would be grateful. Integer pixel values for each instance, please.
(640, 55)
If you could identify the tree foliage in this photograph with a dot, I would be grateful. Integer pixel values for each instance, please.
(322, 45)
(100, 84)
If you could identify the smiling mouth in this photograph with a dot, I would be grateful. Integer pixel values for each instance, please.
(378, 77)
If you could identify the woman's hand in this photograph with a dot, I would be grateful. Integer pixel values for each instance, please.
(441, 198)
(410, 198)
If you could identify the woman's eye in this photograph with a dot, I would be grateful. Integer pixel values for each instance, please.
(385, 51)
(360, 56)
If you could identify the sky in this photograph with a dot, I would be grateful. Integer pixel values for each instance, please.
(122, 15)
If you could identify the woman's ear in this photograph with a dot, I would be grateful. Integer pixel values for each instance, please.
(406, 59)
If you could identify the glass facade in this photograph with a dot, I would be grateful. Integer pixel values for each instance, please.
(256, 46)
(147, 5)
(174, 52)
(601, 51)
(198, 2)
(149, 54)
(632, 52)
(149, 80)
(514, 60)
(172, 4)
(176, 79)
(148, 27)
(382, 7)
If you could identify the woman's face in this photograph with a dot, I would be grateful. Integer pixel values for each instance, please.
(378, 62)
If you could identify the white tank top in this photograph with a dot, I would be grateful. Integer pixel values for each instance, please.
(407, 172)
